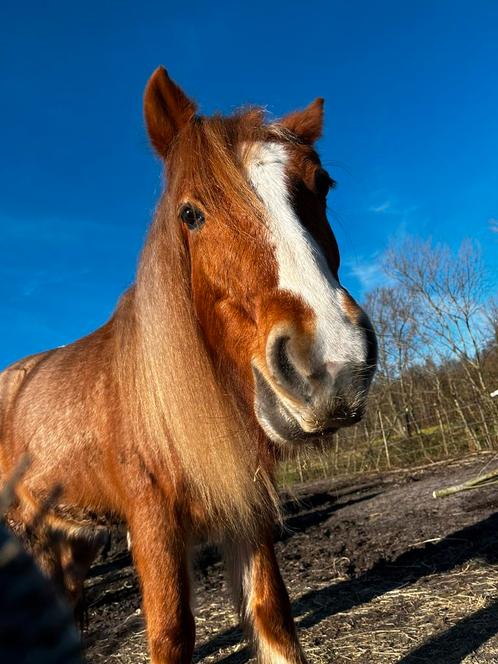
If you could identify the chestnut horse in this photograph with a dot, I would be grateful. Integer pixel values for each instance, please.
(235, 345)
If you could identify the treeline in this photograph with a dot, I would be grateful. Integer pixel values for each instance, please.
(436, 320)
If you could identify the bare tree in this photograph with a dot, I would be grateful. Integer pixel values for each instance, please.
(449, 290)
(437, 332)
(395, 320)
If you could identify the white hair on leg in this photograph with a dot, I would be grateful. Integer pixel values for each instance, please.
(241, 573)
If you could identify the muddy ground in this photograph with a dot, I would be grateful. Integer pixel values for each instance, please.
(377, 569)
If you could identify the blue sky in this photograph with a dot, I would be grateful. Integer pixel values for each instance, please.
(411, 132)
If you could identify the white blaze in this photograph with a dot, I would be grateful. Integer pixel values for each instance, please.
(302, 267)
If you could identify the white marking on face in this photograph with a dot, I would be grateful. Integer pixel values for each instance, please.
(302, 267)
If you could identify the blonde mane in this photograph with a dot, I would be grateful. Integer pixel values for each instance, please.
(181, 408)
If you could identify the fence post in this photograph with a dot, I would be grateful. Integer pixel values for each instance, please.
(336, 453)
(472, 438)
(300, 468)
(323, 462)
(441, 427)
(486, 430)
(388, 460)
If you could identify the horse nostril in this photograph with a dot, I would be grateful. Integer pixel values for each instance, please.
(283, 363)
(283, 369)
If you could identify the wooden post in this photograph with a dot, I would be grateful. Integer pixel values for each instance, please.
(386, 448)
(300, 469)
(485, 425)
(323, 463)
(370, 450)
(474, 445)
(443, 435)
(336, 454)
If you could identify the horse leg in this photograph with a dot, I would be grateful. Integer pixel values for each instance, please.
(45, 547)
(160, 555)
(263, 602)
(78, 550)
(64, 551)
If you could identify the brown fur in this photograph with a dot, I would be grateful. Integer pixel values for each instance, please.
(351, 308)
(150, 417)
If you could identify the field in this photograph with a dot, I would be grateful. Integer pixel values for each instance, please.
(378, 571)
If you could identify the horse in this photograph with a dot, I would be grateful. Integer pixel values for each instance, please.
(235, 346)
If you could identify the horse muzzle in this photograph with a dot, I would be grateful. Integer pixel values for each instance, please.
(299, 399)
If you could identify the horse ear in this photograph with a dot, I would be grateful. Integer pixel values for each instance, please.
(308, 123)
(167, 109)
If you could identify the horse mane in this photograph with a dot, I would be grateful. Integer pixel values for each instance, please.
(180, 406)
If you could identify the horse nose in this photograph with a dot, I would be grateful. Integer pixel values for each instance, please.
(333, 369)
(329, 393)
(284, 368)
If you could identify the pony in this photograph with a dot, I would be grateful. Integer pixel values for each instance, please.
(235, 346)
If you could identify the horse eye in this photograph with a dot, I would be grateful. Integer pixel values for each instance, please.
(191, 216)
(323, 182)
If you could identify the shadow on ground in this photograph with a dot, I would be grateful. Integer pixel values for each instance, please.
(450, 647)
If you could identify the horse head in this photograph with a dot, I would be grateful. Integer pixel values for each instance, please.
(250, 199)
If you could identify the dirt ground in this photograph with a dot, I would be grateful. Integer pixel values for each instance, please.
(378, 572)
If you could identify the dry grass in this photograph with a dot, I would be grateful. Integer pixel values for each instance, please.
(370, 581)
(406, 621)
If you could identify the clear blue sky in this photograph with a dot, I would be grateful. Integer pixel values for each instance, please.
(411, 132)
